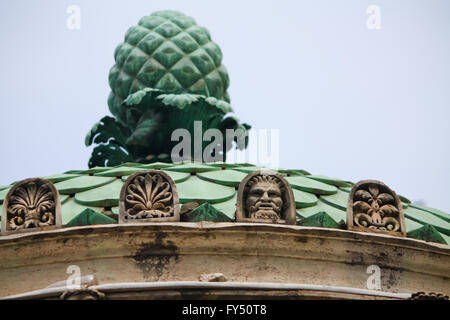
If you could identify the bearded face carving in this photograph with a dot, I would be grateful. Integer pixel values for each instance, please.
(264, 196)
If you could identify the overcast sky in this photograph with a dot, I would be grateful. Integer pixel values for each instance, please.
(350, 102)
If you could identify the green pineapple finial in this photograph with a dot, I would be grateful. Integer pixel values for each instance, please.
(168, 74)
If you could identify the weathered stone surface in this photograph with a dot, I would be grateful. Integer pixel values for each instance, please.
(31, 204)
(264, 196)
(244, 252)
(149, 197)
(374, 207)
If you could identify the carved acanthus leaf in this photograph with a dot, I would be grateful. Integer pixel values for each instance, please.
(374, 206)
(148, 196)
(31, 205)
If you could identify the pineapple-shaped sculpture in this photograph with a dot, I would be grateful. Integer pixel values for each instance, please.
(168, 74)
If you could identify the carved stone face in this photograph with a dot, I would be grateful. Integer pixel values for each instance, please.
(264, 199)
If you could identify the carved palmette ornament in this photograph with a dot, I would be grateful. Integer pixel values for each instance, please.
(149, 197)
(31, 204)
(265, 197)
(374, 207)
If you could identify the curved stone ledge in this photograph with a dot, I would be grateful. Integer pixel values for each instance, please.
(244, 252)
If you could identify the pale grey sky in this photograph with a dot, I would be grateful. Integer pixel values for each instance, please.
(350, 102)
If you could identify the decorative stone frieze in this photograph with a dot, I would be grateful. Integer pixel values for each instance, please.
(428, 296)
(82, 294)
(265, 196)
(149, 197)
(374, 207)
(31, 204)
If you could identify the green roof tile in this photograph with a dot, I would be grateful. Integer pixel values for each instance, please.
(228, 207)
(310, 185)
(192, 168)
(119, 172)
(334, 213)
(250, 169)
(411, 225)
(89, 171)
(70, 209)
(427, 233)
(206, 212)
(3, 194)
(82, 183)
(104, 196)
(425, 217)
(195, 189)
(338, 200)
(331, 181)
(293, 172)
(231, 178)
(89, 217)
(304, 199)
(156, 165)
(437, 213)
(177, 177)
(60, 177)
(320, 219)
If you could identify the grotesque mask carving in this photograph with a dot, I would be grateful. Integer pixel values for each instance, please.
(264, 196)
(374, 207)
(264, 200)
(30, 204)
(149, 196)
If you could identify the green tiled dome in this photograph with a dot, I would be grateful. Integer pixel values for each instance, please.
(92, 196)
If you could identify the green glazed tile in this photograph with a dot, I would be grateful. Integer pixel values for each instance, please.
(224, 165)
(89, 217)
(425, 217)
(304, 199)
(70, 209)
(197, 190)
(412, 225)
(63, 198)
(404, 199)
(177, 177)
(60, 177)
(206, 212)
(334, 213)
(89, 171)
(320, 219)
(251, 169)
(104, 196)
(128, 165)
(231, 178)
(119, 172)
(446, 238)
(427, 233)
(346, 189)
(3, 194)
(338, 200)
(156, 165)
(115, 210)
(192, 168)
(331, 181)
(228, 207)
(310, 185)
(81, 184)
(293, 172)
(436, 212)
